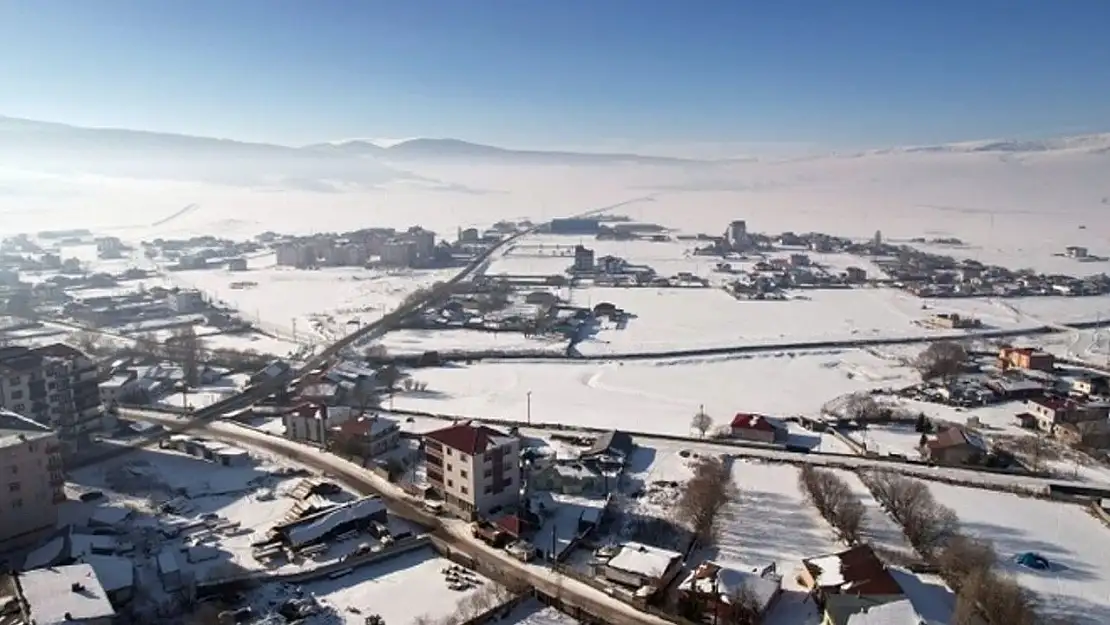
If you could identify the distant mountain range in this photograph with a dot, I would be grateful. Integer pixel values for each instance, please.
(65, 149)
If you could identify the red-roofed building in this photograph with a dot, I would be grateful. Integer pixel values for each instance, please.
(755, 427)
(475, 469)
(1025, 358)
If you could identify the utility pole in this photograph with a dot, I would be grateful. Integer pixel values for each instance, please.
(528, 406)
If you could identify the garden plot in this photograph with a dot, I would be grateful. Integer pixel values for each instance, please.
(402, 589)
(771, 523)
(1076, 544)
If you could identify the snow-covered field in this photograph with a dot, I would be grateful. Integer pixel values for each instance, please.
(532, 612)
(400, 590)
(886, 440)
(650, 396)
(1072, 539)
(420, 341)
(310, 305)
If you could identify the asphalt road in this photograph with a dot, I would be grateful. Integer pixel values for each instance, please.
(496, 564)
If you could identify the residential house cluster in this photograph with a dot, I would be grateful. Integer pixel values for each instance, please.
(415, 247)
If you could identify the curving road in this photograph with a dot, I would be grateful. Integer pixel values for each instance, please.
(450, 533)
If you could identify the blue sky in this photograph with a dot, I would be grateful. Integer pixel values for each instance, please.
(542, 73)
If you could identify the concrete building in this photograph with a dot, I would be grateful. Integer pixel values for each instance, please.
(583, 259)
(237, 264)
(473, 468)
(1075, 251)
(366, 436)
(55, 385)
(424, 242)
(185, 301)
(1051, 412)
(296, 254)
(468, 235)
(398, 253)
(65, 595)
(31, 462)
(1025, 358)
(307, 423)
(736, 236)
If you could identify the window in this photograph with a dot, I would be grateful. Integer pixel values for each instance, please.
(17, 394)
(462, 474)
(13, 487)
(508, 480)
(450, 452)
(17, 503)
(449, 467)
(14, 468)
(463, 457)
(463, 489)
(489, 472)
(489, 490)
(450, 484)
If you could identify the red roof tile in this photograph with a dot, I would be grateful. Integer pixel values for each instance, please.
(861, 573)
(467, 438)
(747, 421)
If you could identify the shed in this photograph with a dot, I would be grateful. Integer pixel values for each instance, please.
(233, 457)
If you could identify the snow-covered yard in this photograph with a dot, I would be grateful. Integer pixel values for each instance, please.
(401, 589)
(890, 440)
(1071, 539)
(650, 396)
(532, 612)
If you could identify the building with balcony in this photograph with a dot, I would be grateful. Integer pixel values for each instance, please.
(473, 468)
(31, 464)
(56, 385)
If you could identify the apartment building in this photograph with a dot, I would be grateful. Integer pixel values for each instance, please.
(473, 468)
(33, 482)
(55, 385)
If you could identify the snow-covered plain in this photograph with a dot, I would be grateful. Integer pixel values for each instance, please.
(1069, 536)
(650, 396)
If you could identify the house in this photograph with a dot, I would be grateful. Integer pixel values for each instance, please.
(954, 321)
(1025, 420)
(1053, 411)
(638, 565)
(1091, 385)
(308, 422)
(716, 587)
(569, 479)
(899, 612)
(1016, 388)
(475, 469)
(611, 448)
(366, 436)
(1090, 433)
(843, 582)
(1025, 358)
(1075, 251)
(855, 275)
(755, 427)
(955, 446)
(65, 595)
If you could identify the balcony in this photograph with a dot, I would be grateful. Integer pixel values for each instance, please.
(433, 461)
(435, 478)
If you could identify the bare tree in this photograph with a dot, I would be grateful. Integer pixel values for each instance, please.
(376, 351)
(964, 558)
(943, 359)
(744, 607)
(862, 407)
(834, 500)
(87, 341)
(188, 349)
(1003, 601)
(704, 496)
(701, 421)
(926, 523)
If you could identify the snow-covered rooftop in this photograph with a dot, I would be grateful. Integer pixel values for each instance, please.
(65, 594)
(644, 560)
(320, 524)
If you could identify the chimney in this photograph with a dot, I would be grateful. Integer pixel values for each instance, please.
(76, 587)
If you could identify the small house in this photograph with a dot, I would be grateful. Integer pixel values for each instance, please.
(717, 587)
(955, 446)
(637, 565)
(754, 427)
(1091, 385)
(855, 575)
(1025, 358)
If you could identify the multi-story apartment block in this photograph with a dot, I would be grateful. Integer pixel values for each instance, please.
(32, 480)
(475, 469)
(55, 385)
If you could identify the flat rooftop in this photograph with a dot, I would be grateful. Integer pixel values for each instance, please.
(64, 594)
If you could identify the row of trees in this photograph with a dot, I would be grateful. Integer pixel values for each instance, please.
(476, 604)
(835, 501)
(704, 497)
(968, 565)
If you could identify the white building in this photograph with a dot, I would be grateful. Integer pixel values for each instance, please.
(31, 462)
(737, 235)
(473, 468)
(65, 595)
(310, 422)
(55, 385)
(185, 301)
